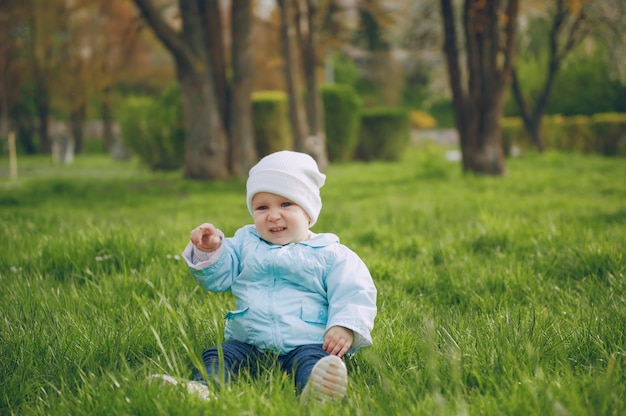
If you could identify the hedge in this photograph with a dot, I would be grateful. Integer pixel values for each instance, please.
(342, 120)
(271, 122)
(153, 129)
(385, 133)
(601, 133)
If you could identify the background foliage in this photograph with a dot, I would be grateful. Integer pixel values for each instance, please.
(342, 120)
(153, 128)
(271, 122)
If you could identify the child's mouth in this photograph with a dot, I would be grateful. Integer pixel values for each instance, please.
(277, 229)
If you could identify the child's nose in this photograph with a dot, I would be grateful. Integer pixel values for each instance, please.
(274, 214)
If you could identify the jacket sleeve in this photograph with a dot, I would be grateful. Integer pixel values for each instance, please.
(214, 271)
(351, 297)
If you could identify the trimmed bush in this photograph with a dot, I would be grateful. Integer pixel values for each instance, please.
(602, 133)
(610, 133)
(552, 132)
(385, 133)
(271, 122)
(342, 120)
(153, 129)
(577, 135)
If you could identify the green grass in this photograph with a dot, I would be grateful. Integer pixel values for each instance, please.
(497, 296)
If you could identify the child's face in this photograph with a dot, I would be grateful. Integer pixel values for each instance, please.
(279, 220)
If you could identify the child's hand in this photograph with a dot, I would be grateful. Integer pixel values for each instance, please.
(338, 340)
(205, 237)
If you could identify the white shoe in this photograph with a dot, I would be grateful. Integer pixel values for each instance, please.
(194, 388)
(328, 381)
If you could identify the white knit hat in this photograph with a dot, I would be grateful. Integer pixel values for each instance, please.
(292, 175)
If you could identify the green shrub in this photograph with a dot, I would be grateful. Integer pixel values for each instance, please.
(552, 132)
(577, 134)
(443, 111)
(345, 70)
(153, 129)
(93, 145)
(271, 122)
(584, 87)
(514, 134)
(342, 120)
(601, 133)
(385, 133)
(610, 132)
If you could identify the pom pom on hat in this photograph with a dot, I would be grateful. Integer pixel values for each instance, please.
(292, 175)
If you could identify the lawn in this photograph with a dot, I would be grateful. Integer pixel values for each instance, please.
(496, 296)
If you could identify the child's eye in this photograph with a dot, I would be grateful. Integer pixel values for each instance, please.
(286, 204)
(261, 208)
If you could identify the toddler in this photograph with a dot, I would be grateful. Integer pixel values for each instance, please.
(301, 297)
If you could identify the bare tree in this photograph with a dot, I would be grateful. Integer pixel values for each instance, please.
(568, 27)
(297, 115)
(490, 30)
(570, 23)
(206, 149)
(12, 16)
(211, 17)
(307, 33)
(200, 56)
(115, 44)
(243, 151)
(47, 20)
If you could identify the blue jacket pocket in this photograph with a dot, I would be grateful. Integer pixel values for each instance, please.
(237, 326)
(314, 314)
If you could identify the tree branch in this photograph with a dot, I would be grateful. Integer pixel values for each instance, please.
(170, 39)
(511, 38)
(454, 68)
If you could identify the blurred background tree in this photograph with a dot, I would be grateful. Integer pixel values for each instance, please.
(72, 63)
(479, 69)
(65, 60)
(585, 30)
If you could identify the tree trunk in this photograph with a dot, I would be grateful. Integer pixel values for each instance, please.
(316, 140)
(212, 22)
(43, 114)
(4, 104)
(242, 150)
(297, 115)
(77, 121)
(41, 52)
(531, 119)
(25, 129)
(107, 120)
(483, 151)
(479, 95)
(206, 153)
(206, 148)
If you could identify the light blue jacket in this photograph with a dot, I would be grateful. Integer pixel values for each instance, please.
(288, 296)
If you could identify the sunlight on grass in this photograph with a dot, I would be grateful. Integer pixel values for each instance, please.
(496, 295)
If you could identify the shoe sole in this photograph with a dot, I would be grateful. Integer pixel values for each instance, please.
(194, 388)
(328, 381)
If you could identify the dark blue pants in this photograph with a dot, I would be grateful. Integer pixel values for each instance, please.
(238, 355)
